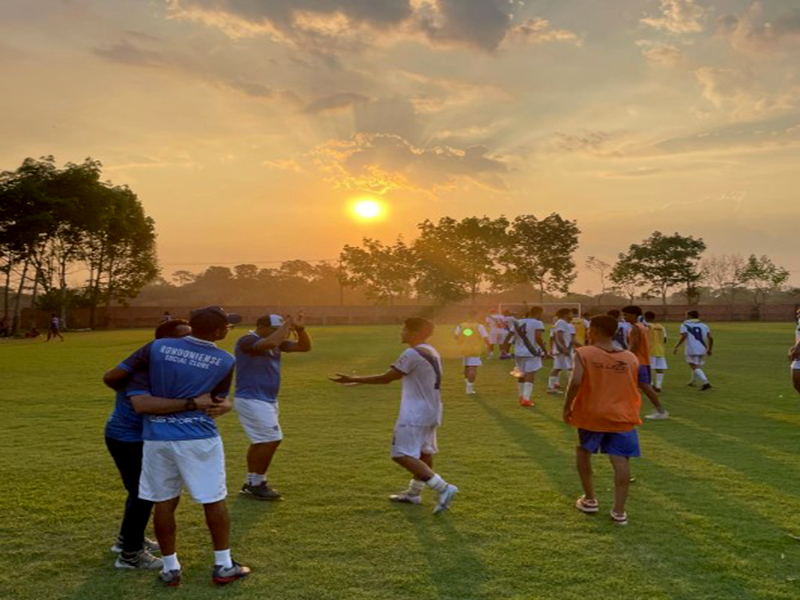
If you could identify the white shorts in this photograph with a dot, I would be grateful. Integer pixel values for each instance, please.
(472, 361)
(259, 420)
(796, 365)
(658, 362)
(528, 364)
(562, 361)
(497, 336)
(696, 359)
(414, 440)
(199, 465)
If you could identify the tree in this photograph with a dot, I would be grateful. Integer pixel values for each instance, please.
(602, 268)
(183, 277)
(725, 273)
(661, 263)
(385, 272)
(539, 253)
(764, 278)
(456, 259)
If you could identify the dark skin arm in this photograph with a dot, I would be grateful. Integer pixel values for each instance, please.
(574, 386)
(384, 378)
(635, 339)
(153, 405)
(303, 339)
(116, 378)
(710, 344)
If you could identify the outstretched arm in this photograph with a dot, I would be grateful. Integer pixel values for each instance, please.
(389, 376)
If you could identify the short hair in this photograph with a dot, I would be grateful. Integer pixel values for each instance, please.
(563, 311)
(167, 329)
(613, 313)
(419, 325)
(693, 314)
(576, 311)
(265, 321)
(586, 315)
(535, 310)
(633, 310)
(605, 324)
(649, 315)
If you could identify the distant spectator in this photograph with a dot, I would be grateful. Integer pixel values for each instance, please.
(32, 333)
(55, 324)
(167, 316)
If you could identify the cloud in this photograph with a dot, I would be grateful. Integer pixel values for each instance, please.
(661, 54)
(750, 32)
(678, 16)
(592, 142)
(334, 102)
(125, 53)
(738, 92)
(380, 163)
(328, 26)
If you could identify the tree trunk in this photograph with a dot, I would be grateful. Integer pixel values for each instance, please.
(18, 299)
(34, 293)
(6, 292)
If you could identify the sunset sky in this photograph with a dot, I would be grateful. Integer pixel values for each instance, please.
(247, 127)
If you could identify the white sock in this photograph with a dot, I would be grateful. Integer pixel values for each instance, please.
(171, 562)
(694, 375)
(659, 380)
(223, 558)
(552, 381)
(437, 483)
(701, 376)
(527, 390)
(415, 486)
(470, 387)
(520, 388)
(255, 479)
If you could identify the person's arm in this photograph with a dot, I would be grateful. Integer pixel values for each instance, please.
(710, 344)
(635, 339)
(272, 341)
(538, 335)
(560, 344)
(574, 386)
(388, 377)
(118, 377)
(303, 343)
(680, 343)
(153, 405)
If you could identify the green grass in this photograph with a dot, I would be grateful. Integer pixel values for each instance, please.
(716, 497)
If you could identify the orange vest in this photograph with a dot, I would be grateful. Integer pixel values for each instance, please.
(643, 349)
(608, 399)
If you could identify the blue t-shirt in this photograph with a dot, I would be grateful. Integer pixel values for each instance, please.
(125, 424)
(258, 373)
(183, 368)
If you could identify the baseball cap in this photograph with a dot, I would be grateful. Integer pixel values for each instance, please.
(270, 321)
(213, 316)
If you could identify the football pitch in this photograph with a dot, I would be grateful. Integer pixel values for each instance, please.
(712, 511)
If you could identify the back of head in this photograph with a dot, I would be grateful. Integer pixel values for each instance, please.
(693, 314)
(632, 310)
(535, 312)
(564, 313)
(614, 313)
(604, 326)
(419, 326)
(650, 315)
(211, 321)
(171, 328)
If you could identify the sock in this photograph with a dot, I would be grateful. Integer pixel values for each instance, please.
(527, 390)
(470, 387)
(255, 479)
(171, 562)
(520, 388)
(415, 486)
(659, 380)
(223, 558)
(694, 375)
(437, 483)
(701, 376)
(552, 381)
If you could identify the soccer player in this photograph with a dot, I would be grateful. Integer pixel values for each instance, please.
(620, 340)
(414, 442)
(699, 344)
(472, 340)
(185, 448)
(258, 380)
(658, 349)
(563, 336)
(497, 332)
(54, 331)
(508, 321)
(640, 347)
(581, 327)
(603, 402)
(528, 352)
(794, 355)
(124, 442)
(166, 316)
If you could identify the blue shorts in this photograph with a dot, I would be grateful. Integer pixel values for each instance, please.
(644, 374)
(623, 443)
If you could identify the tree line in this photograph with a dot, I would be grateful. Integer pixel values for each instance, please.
(58, 223)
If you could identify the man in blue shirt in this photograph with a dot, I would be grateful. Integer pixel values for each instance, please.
(258, 380)
(124, 442)
(184, 448)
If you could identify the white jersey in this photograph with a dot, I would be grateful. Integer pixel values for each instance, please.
(621, 339)
(421, 401)
(797, 333)
(497, 323)
(528, 328)
(568, 331)
(696, 337)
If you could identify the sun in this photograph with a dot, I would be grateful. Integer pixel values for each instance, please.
(367, 209)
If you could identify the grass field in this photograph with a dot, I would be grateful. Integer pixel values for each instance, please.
(716, 498)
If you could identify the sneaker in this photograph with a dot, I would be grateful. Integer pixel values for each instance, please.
(445, 498)
(260, 492)
(170, 578)
(657, 390)
(220, 575)
(619, 519)
(523, 402)
(690, 384)
(553, 391)
(406, 497)
(140, 560)
(587, 506)
(706, 386)
(654, 416)
(149, 545)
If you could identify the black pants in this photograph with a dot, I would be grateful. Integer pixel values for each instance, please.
(128, 458)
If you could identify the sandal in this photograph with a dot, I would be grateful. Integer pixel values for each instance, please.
(587, 506)
(619, 519)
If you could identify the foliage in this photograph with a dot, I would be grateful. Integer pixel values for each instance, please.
(763, 277)
(385, 272)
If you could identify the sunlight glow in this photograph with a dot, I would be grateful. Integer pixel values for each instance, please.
(367, 209)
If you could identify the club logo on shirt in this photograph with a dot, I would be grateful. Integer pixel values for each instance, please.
(182, 356)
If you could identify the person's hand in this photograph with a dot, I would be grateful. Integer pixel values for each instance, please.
(708, 353)
(567, 415)
(204, 402)
(343, 379)
(675, 350)
(219, 407)
(299, 320)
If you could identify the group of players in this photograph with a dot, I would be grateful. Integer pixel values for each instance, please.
(163, 437)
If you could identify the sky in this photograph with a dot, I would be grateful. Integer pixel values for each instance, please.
(247, 127)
